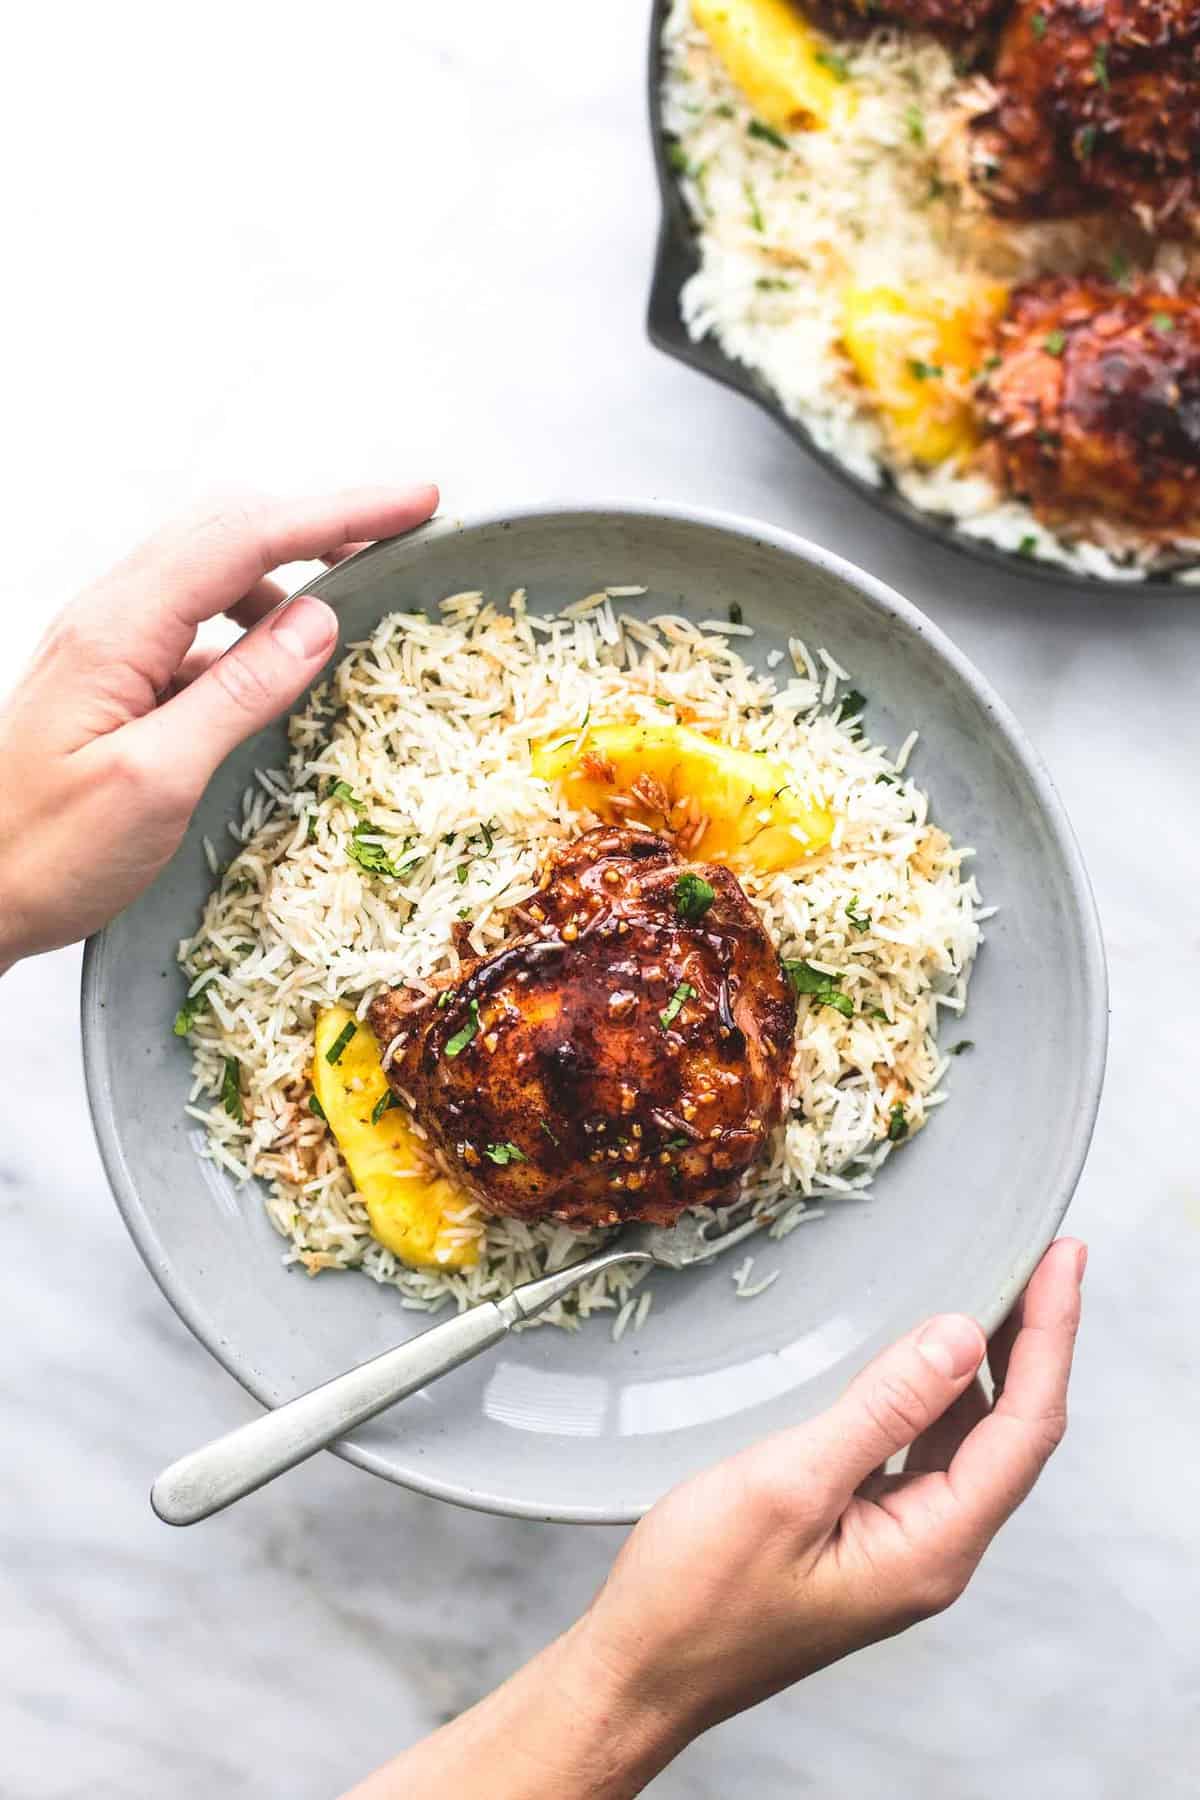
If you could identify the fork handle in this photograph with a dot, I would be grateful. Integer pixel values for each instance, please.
(209, 1479)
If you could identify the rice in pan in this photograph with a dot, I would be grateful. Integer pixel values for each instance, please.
(421, 741)
(795, 231)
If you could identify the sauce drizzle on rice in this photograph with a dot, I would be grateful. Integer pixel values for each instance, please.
(409, 818)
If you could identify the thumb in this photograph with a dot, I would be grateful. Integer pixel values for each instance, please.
(893, 1401)
(257, 679)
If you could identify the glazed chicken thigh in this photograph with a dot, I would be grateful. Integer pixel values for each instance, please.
(1092, 406)
(1098, 102)
(624, 1058)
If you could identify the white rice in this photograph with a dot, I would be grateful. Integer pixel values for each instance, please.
(878, 198)
(429, 724)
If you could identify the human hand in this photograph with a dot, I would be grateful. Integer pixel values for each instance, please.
(800, 1550)
(108, 742)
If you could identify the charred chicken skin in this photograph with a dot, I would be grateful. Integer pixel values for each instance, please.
(1093, 406)
(624, 1058)
(1099, 103)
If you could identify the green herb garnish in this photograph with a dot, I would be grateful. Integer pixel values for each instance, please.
(861, 921)
(458, 1043)
(189, 1012)
(1038, 25)
(1027, 546)
(504, 1153)
(316, 1109)
(1056, 343)
(923, 371)
(336, 1049)
(693, 897)
(1087, 141)
(385, 1103)
(675, 1005)
(850, 708)
(1163, 322)
(231, 1090)
(756, 129)
(914, 120)
(756, 218)
(485, 832)
(837, 65)
(678, 1143)
(444, 998)
(736, 616)
(677, 157)
(549, 1133)
(341, 790)
(461, 874)
(1100, 66)
(1118, 267)
(769, 284)
(897, 1123)
(366, 849)
(962, 1046)
(824, 989)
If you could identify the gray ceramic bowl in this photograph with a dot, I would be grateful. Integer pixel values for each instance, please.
(575, 1427)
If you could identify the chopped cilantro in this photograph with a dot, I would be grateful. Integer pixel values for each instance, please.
(861, 921)
(461, 874)
(963, 1045)
(684, 992)
(385, 1103)
(1100, 66)
(189, 1012)
(367, 850)
(1118, 267)
(504, 1153)
(444, 998)
(924, 371)
(693, 897)
(1055, 343)
(485, 832)
(677, 157)
(548, 1132)
(1038, 25)
(850, 708)
(1163, 322)
(1087, 141)
(897, 1123)
(231, 1089)
(914, 120)
(1027, 545)
(756, 129)
(341, 790)
(837, 65)
(824, 989)
(315, 1108)
(458, 1043)
(756, 218)
(770, 284)
(338, 1046)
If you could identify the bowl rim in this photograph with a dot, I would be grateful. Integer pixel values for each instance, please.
(884, 599)
(675, 247)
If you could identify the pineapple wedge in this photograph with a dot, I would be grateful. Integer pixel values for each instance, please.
(755, 815)
(784, 68)
(406, 1207)
(915, 353)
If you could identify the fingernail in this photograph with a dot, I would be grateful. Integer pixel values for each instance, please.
(954, 1345)
(304, 628)
(1081, 1261)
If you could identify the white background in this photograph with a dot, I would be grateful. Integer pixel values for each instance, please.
(298, 245)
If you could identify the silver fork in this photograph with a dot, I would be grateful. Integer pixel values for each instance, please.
(233, 1466)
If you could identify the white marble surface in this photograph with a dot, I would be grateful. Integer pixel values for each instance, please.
(295, 244)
